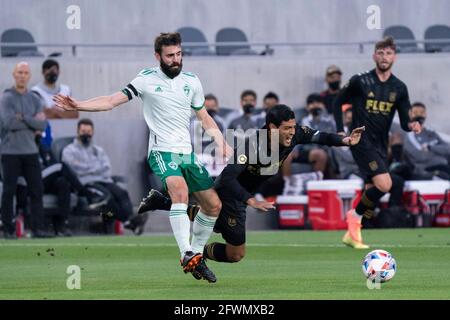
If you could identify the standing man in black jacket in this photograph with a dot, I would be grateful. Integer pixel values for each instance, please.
(22, 116)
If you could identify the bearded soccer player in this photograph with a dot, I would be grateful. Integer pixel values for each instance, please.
(168, 96)
(238, 182)
(375, 96)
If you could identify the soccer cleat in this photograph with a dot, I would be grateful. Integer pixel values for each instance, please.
(136, 224)
(190, 260)
(347, 240)
(153, 201)
(201, 271)
(353, 236)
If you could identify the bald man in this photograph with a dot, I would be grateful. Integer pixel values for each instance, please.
(21, 116)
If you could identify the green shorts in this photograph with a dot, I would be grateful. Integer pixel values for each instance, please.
(167, 164)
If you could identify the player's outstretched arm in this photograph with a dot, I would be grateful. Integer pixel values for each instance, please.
(103, 103)
(305, 135)
(211, 128)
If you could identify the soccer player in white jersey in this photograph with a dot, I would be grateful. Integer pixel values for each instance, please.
(168, 96)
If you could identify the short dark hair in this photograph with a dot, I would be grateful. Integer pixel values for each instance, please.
(49, 63)
(271, 95)
(418, 104)
(278, 114)
(167, 39)
(387, 42)
(210, 96)
(314, 97)
(248, 93)
(85, 121)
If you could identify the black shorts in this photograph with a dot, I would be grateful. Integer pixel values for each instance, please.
(231, 220)
(371, 159)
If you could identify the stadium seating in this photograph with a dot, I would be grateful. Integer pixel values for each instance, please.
(19, 35)
(402, 33)
(190, 34)
(232, 35)
(441, 32)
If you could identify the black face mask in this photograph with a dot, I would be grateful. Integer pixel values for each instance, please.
(248, 108)
(420, 120)
(51, 77)
(85, 139)
(316, 112)
(335, 85)
(169, 71)
(212, 113)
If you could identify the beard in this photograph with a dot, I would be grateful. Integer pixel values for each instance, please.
(384, 69)
(172, 70)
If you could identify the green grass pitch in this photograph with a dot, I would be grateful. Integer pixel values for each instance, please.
(278, 265)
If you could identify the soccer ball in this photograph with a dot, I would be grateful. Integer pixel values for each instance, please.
(379, 266)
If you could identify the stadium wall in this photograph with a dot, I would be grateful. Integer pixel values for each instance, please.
(139, 21)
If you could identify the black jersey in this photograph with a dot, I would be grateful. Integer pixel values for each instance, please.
(373, 104)
(253, 162)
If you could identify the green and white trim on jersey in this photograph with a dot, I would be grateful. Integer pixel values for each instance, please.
(168, 105)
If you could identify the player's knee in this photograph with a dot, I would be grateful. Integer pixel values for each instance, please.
(213, 208)
(179, 196)
(236, 256)
(384, 186)
(318, 155)
(216, 207)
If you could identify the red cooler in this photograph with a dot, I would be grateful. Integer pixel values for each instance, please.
(292, 211)
(329, 201)
(442, 218)
(427, 196)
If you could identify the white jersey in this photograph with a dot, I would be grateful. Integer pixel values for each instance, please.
(168, 105)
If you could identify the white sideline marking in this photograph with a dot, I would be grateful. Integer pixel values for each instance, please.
(156, 245)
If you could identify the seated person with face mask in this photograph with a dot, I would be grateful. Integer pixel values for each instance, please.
(426, 151)
(316, 155)
(92, 166)
(248, 104)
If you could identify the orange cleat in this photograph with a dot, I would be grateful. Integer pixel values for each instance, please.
(352, 237)
(190, 261)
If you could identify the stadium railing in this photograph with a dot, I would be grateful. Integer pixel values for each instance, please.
(267, 47)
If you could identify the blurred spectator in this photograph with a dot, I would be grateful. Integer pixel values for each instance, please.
(248, 105)
(205, 150)
(61, 181)
(317, 155)
(21, 114)
(318, 118)
(426, 151)
(333, 78)
(270, 99)
(212, 107)
(93, 169)
(398, 169)
(347, 167)
(49, 87)
(46, 90)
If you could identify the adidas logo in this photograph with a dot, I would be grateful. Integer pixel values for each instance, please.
(158, 89)
(371, 95)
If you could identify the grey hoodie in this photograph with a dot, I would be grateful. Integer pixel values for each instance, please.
(18, 136)
(90, 163)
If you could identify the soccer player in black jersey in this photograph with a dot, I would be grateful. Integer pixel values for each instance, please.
(242, 176)
(375, 96)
